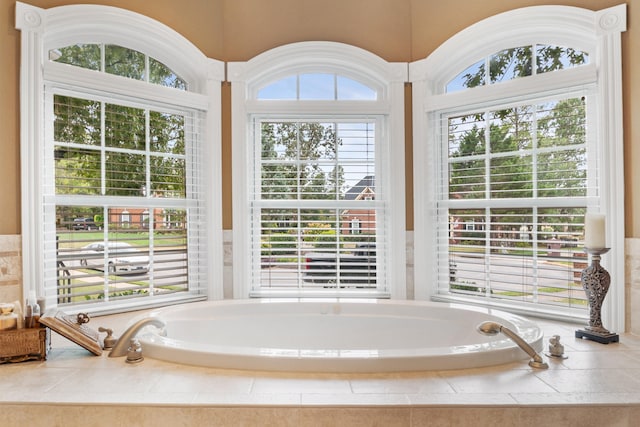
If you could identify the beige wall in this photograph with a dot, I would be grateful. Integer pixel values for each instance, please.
(236, 30)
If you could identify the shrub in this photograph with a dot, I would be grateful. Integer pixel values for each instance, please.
(279, 244)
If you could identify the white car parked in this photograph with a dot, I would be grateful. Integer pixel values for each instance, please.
(122, 257)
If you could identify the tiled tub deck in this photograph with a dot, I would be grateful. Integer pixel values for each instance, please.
(597, 385)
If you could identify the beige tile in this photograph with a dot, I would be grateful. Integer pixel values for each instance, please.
(463, 399)
(577, 398)
(10, 242)
(77, 357)
(108, 416)
(118, 398)
(355, 417)
(591, 380)
(241, 399)
(584, 416)
(129, 378)
(10, 268)
(463, 417)
(633, 294)
(580, 344)
(292, 385)
(430, 383)
(197, 381)
(481, 381)
(343, 399)
(10, 292)
(602, 360)
(31, 377)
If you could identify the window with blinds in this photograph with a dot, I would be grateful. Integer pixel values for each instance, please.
(517, 184)
(517, 136)
(318, 205)
(121, 173)
(124, 196)
(315, 179)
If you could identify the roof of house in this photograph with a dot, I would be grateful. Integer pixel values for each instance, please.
(366, 182)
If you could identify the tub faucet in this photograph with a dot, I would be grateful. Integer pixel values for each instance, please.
(493, 328)
(122, 345)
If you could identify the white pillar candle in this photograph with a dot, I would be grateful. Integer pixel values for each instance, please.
(594, 231)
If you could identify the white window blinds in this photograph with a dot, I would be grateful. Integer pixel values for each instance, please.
(319, 210)
(123, 202)
(315, 178)
(515, 191)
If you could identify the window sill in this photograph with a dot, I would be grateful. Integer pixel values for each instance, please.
(124, 306)
(552, 313)
(320, 293)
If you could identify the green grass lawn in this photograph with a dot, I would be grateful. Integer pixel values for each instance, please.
(74, 240)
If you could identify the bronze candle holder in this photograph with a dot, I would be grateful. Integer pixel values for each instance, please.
(595, 282)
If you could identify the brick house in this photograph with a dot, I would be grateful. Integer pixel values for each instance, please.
(360, 221)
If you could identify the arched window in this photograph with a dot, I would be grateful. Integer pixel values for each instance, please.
(317, 86)
(517, 62)
(315, 126)
(518, 121)
(125, 134)
(118, 60)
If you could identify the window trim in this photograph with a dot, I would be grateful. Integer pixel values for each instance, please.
(43, 29)
(386, 78)
(598, 33)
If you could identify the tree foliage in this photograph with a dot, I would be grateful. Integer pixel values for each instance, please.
(118, 60)
(298, 162)
(518, 62)
(533, 150)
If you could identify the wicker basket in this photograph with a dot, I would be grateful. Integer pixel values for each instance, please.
(19, 345)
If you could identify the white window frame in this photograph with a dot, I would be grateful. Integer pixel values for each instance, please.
(598, 33)
(355, 226)
(319, 57)
(125, 218)
(44, 29)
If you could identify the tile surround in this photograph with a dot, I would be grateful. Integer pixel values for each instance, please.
(597, 385)
(632, 285)
(10, 268)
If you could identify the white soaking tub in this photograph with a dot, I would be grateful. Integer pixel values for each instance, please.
(333, 335)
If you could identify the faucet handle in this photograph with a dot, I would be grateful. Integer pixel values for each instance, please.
(109, 340)
(82, 318)
(134, 352)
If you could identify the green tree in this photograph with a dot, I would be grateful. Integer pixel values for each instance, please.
(510, 145)
(560, 123)
(518, 62)
(467, 176)
(120, 61)
(88, 122)
(560, 161)
(298, 162)
(564, 172)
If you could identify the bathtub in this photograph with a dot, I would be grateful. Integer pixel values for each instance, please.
(337, 335)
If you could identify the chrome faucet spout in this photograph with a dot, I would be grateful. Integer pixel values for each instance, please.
(493, 328)
(121, 346)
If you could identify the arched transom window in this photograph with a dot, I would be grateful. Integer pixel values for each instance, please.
(118, 60)
(517, 62)
(317, 86)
